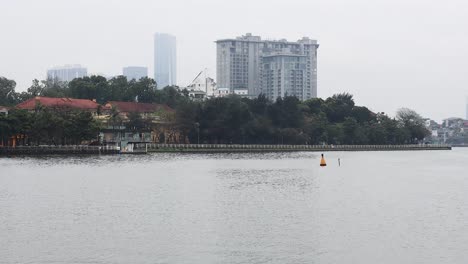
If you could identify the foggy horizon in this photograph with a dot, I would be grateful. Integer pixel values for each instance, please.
(388, 54)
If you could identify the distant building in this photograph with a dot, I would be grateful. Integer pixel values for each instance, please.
(196, 95)
(144, 109)
(241, 92)
(203, 83)
(452, 122)
(165, 60)
(466, 117)
(134, 72)
(4, 110)
(275, 68)
(222, 92)
(155, 127)
(67, 73)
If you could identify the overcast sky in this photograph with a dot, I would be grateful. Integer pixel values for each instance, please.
(387, 53)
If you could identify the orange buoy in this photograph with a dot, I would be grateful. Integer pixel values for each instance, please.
(323, 163)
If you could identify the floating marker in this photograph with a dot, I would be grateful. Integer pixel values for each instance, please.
(323, 163)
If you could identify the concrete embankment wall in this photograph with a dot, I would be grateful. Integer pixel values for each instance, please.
(56, 150)
(272, 148)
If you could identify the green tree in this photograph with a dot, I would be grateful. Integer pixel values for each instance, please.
(362, 114)
(119, 90)
(8, 96)
(413, 123)
(54, 88)
(338, 107)
(92, 88)
(135, 122)
(144, 90)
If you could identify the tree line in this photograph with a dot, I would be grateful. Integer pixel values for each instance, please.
(48, 126)
(335, 120)
(232, 119)
(94, 88)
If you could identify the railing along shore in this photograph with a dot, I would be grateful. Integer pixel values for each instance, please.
(150, 147)
(247, 148)
(57, 150)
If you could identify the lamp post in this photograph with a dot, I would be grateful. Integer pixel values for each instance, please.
(197, 127)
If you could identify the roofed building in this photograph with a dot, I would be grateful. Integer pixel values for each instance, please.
(4, 110)
(155, 124)
(145, 109)
(60, 103)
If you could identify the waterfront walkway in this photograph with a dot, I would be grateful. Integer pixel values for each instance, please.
(209, 148)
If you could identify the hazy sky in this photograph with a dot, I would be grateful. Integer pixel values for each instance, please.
(387, 53)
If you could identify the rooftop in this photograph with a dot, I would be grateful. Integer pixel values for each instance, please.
(67, 67)
(81, 104)
(250, 38)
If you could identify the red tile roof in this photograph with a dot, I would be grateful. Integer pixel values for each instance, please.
(138, 107)
(81, 104)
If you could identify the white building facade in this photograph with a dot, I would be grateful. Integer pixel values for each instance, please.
(275, 68)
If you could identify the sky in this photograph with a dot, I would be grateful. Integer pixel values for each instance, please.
(387, 53)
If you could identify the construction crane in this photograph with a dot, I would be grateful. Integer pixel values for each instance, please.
(206, 81)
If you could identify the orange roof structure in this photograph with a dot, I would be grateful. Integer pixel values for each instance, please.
(132, 107)
(71, 103)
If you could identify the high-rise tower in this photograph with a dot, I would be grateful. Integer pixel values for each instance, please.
(165, 60)
(274, 68)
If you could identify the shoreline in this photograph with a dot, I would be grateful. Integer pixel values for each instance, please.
(205, 148)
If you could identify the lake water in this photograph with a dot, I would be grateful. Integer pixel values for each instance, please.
(377, 207)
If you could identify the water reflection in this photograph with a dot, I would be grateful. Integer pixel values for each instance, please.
(380, 207)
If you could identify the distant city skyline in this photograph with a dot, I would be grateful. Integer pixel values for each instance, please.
(165, 60)
(386, 63)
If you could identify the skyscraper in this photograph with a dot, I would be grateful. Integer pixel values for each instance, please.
(466, 108)
(165, 60)
(67, 73)
(273, 67)
(134, 72)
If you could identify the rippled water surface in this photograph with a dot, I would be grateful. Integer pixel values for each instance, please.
(377, 207)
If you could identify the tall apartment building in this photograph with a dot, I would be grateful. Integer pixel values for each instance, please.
(273, 67)
(134, 72)
(67, 73)
(165, 60)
